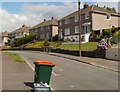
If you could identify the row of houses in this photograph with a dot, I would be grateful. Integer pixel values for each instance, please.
(92, 18)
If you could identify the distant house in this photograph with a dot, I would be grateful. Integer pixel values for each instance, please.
(4, 38)
(46, 29)
(18, 33)
(92, 18)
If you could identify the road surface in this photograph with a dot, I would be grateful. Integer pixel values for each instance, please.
(72, 75)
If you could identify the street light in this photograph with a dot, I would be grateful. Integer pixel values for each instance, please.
(79, 23)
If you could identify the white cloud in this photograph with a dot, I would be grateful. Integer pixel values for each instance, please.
(11, 21)
(33, 14)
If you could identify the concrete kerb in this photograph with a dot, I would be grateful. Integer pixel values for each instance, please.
(86, 62)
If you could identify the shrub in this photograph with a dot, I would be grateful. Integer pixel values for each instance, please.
(46, 42)
(66, 40)
(94, 37)
(114, 29)
(106, 32)
(24, 40)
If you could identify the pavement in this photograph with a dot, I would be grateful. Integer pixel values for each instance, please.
(16, 77)
(71, 75)
(98, 62)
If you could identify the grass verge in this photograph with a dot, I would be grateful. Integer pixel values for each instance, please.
(15, 57)
(90, 46)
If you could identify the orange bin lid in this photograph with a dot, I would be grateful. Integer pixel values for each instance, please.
(44, 62)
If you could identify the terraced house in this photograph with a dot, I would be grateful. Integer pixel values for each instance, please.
(18, 33)
(92, 18)
(46, 29)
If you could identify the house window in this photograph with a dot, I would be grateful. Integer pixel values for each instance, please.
(47, 35)
(60, 23)
(108, 17)
(42, 28)
(35, 30)
(87, 29)
(47, 27)
(42, 36)
(76, 18)
(67, 31)
(87, 15)
(67, 21)
(76, 29)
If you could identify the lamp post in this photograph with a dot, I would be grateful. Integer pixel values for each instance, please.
(79, 23)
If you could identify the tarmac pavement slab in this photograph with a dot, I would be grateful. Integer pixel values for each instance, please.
(16, 77)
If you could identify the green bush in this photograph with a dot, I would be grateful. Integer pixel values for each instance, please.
(94, 37)
(66, 40)
(106, 32)
(46, 42)
(115, 39)
(24, 40)
(114, 29)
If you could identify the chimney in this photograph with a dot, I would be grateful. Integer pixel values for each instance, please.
(44, 19)
(52, 18)
(86, 5)
(23, 25)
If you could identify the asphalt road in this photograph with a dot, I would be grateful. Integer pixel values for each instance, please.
(72, 75)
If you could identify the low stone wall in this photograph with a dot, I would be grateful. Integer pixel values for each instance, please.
(93, 54)
(113, 53)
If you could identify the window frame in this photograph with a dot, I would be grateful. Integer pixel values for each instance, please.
(68, 31)
(108, 16)
(87, 15)
(77, 29)
(76, 18)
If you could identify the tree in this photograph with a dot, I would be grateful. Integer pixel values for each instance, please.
(24, 40)
(111, 9)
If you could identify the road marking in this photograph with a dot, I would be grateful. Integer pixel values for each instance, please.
(72, 86)
(54, 73)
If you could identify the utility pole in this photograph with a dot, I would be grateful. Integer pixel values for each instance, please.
(79, 23)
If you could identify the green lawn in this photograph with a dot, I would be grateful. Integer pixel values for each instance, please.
(15, 57)
(38, 44)
(90, 46)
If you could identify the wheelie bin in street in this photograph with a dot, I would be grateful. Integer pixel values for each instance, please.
(43, 70)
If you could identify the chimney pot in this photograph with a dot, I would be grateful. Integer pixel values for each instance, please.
(44, 19)
(23, 25)
(52, 18)
(85, 5)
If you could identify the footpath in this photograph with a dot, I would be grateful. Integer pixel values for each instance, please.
(16, 77)
(98, 62)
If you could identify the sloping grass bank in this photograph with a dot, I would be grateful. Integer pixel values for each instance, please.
(90, 46)
(15, 57)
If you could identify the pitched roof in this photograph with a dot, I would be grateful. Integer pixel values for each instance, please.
(53, 21)
(93, 8)
(22, 29)
(4, 33)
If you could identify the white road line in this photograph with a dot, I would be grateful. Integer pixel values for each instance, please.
(54, 73)
(72, 86)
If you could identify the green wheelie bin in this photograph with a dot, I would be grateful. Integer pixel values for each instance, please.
(43, 48)
(49, 48)
(43, 70)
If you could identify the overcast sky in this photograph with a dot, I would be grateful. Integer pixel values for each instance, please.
(14, 14)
